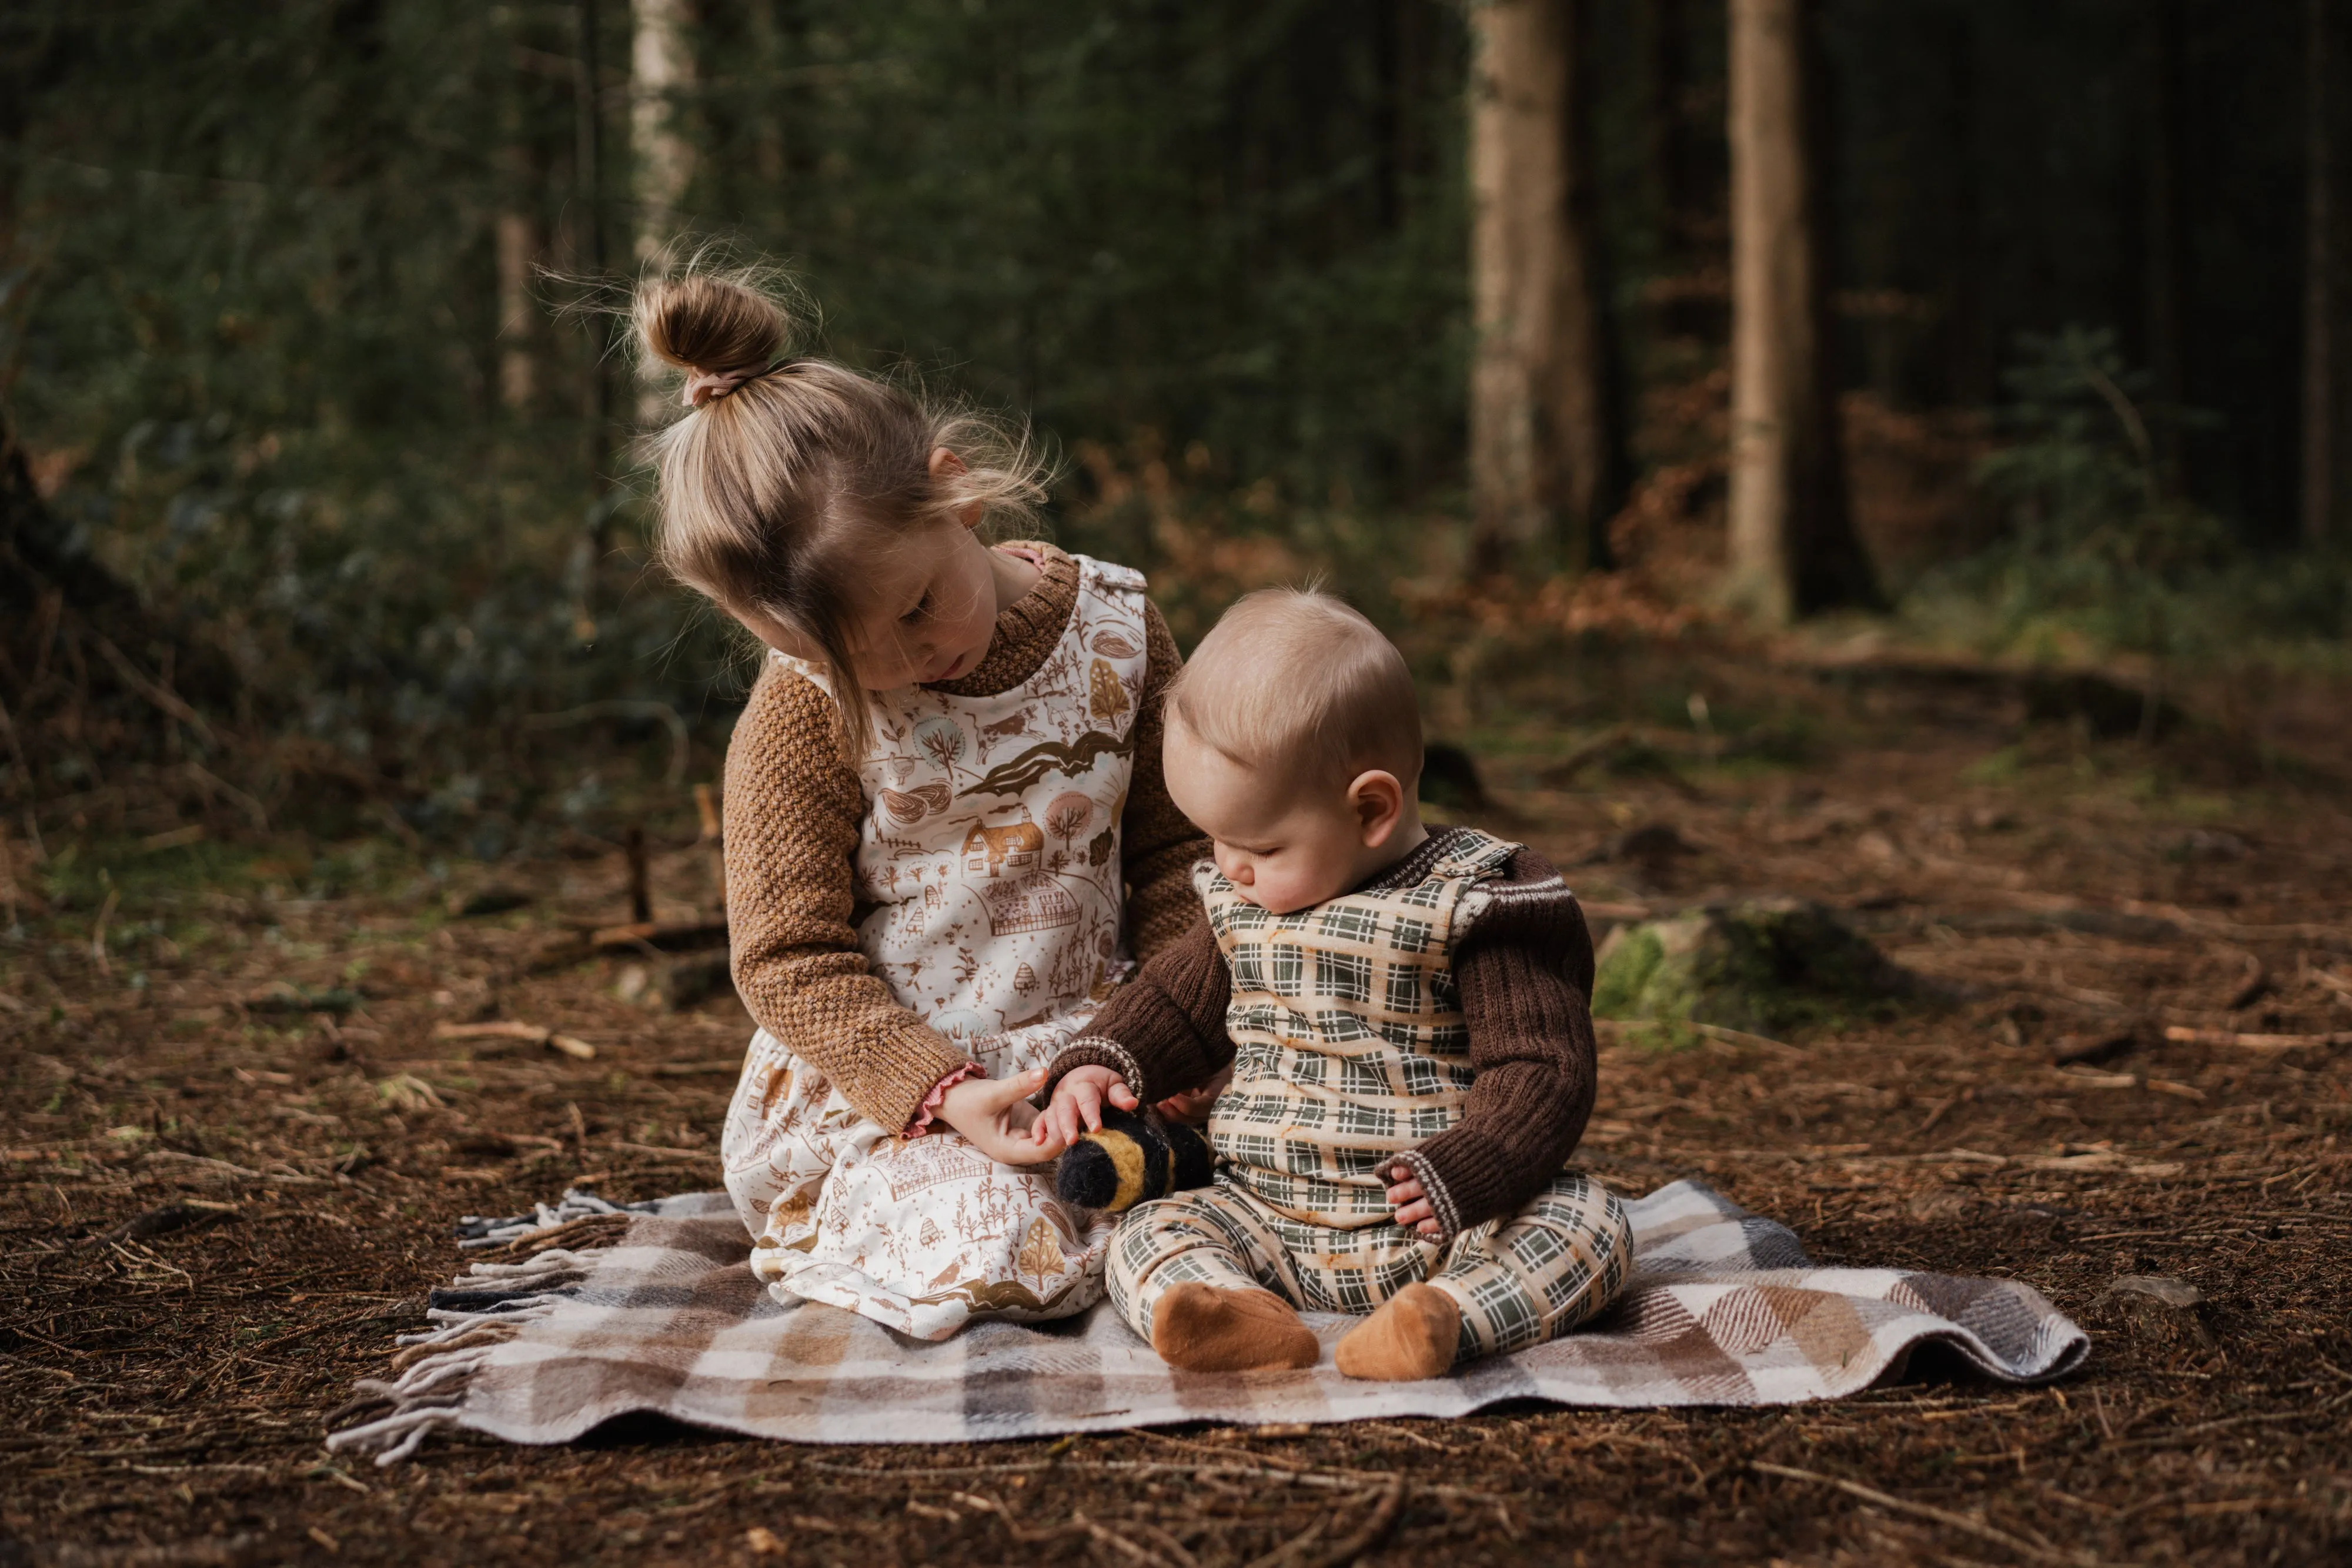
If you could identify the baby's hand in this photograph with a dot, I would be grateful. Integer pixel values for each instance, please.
(1413, 1208)
(1077, 1105)
(1192, 1105)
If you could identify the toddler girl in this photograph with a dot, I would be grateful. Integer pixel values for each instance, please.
(946, 827)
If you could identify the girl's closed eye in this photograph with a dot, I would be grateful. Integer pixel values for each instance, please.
(922, 608)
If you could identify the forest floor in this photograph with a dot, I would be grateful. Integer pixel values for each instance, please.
(234, 1147)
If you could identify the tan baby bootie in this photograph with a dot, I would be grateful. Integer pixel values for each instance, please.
(1200, 1328)
(1412, 1336)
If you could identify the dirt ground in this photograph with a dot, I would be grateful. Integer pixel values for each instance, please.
(233, 1149)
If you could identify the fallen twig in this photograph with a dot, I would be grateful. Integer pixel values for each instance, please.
(209, 780)
(657, 1152)
(1358, 1480)
(98, 931)
(2183, 1035)
(528, 1033)
(1368, 1534)
(163, 697)
(1945, 1516)
(674, 937)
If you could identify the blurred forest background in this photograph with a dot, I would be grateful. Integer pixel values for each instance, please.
(295, 391)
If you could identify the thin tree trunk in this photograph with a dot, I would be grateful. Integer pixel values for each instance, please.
(518, 247)
(1600, 467)
(1667, 140)
(1539, 429)
(2167, 375)
(1791, 547)
(596, 387)
(2325, 422)
(661, 68)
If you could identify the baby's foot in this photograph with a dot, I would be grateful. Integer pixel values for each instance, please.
(1200, 1328)
(1410, 1337)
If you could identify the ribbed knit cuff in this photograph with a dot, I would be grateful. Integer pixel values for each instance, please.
(1440, 1198)
(1094, 1050)
(1471, 1178)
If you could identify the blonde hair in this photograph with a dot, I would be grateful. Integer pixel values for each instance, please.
(775, 493)
(1297, 679)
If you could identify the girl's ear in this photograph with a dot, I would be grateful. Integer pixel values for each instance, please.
(1379, 802)
(946, 464)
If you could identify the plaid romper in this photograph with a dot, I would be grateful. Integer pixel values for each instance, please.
(1350, 1048)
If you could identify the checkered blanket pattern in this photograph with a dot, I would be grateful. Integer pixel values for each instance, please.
(666, 1318)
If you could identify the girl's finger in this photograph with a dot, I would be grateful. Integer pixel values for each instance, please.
(1122, 1096)
(1001, 1093)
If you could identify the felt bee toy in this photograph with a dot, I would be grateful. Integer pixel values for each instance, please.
(1134, 1158)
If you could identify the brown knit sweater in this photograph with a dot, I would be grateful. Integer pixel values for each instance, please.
(1525, 973)
(793, 806)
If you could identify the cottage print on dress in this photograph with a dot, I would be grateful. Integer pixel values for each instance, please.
(988, 872)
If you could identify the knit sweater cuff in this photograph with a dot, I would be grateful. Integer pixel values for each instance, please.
(888, 1072)
(937, 1098)
(1466, 1181)
(1094, 1050)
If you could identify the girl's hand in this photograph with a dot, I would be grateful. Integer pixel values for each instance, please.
(1191, 1106)
(1413, 1208)
(1077, 1103)
(996, 1116)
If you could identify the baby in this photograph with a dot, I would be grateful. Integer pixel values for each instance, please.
(1403, 1015)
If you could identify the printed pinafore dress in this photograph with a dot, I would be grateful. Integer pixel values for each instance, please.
(988, 869)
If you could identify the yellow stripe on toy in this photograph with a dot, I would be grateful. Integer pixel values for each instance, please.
(1131, 1159)
(1127, 1158)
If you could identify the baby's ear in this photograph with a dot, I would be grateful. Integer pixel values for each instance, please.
(1379, 802)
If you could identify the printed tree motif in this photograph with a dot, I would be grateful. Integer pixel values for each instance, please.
(1066, 816)
(1040, 1253)
(942, 741)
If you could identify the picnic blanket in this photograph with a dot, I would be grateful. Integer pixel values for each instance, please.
(592, 1309)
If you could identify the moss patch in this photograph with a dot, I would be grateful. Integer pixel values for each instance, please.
(1763, 965)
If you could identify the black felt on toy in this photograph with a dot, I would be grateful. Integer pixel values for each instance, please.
(1134, 1158)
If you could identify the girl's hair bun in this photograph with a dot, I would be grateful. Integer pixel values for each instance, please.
(711, 322)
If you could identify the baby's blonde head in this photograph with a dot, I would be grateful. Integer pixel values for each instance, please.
(789, 476)
(1296, 681)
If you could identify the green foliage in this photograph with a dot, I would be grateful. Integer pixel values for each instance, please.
(1761, 966)
(2098, 550)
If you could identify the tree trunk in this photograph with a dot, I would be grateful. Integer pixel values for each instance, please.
(661, 68)
(661, 65)
(596, 386)
(1791, 549)
(518, 247)
(1667, 134)
(1542, 438)
(2167, 376)
(2326, 459)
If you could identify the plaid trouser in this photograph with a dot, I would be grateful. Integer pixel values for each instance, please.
(1520, 1281)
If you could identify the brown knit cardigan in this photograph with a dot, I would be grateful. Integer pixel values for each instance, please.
(793, 806)
(1525, 974)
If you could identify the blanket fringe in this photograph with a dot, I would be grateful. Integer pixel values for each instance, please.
(475, 1315)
